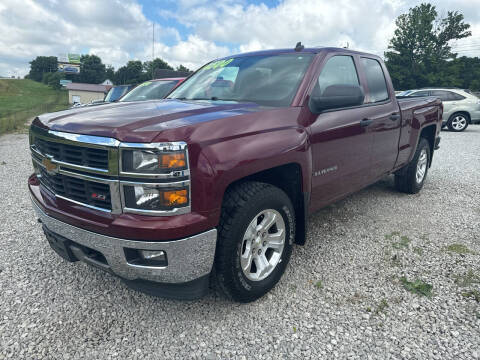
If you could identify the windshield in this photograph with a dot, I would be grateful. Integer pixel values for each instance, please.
(117, 92)
(150, 90)
(270, 80)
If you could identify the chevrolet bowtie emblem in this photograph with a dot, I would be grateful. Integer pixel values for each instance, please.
(49, 166)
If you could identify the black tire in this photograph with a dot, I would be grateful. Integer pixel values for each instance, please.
(241, 205)
(406, 178)
(454, 116)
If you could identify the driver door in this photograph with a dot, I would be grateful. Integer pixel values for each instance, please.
(340, 138)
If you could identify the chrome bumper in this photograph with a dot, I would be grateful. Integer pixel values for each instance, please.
(188, 259)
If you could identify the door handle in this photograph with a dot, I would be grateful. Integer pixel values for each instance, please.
(395, 117)
(365, 122)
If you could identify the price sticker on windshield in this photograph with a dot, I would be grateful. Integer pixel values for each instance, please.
(218, 64)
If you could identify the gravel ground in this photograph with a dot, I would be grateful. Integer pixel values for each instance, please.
(341, 297)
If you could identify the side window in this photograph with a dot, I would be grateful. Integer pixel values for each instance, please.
(339, 70)
(447, 95)
(420, 93)
(377, 85)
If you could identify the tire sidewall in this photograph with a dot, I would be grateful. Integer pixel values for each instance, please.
(423, 144)
(282, 204)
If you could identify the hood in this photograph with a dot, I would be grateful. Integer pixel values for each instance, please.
(140, 121)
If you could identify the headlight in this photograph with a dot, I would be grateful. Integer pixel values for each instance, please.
(153, 161)
(154, 198)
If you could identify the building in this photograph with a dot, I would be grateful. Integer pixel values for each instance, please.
(85, 93)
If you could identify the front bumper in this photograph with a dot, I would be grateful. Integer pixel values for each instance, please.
(189, 259)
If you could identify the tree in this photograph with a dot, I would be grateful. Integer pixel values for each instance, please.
(183, 68)
(150, 67)
(420, 46)
(92, 70)
(132, 73)
(41, 65)
(52, 79)
(110, 73)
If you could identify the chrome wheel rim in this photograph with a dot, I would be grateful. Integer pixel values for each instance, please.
(262, 245)
(459, 122)
(422, 165)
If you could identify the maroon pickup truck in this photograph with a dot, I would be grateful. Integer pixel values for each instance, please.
(214, 183)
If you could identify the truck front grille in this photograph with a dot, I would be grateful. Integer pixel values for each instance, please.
(86, 192)
(77, 155)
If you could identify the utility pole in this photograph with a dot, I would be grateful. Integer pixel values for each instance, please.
(153, 49)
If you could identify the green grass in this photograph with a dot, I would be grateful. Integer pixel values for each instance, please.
(459, 249)
(474, 294)
(319, 284)
(418, 287)
(470, 278)
(23, 99)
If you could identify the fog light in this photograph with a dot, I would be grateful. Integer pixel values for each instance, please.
(136, 257)
(153, 254)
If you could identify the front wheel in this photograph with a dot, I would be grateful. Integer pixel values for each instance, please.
(411, 178)
(458, 122)
(256, 233)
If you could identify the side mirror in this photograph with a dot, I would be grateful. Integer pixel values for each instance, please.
(337, 96)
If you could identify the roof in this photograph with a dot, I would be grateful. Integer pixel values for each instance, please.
(169, 79)
(88, 87)
(311, 50)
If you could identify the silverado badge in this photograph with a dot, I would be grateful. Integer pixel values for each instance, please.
(49, 166)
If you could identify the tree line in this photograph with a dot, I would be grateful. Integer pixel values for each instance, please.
(419, 54)
(94, 71)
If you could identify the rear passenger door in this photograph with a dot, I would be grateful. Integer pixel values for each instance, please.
(384, 115)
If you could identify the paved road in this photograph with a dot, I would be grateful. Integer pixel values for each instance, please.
(341, 297)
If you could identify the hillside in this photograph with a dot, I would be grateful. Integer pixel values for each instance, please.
(23, 99)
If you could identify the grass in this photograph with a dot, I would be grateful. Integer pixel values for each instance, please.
(319, 285)
(475, 294)
(468, 279)
(418, 287)
(402, 243)
(23, 99)
(459, 249)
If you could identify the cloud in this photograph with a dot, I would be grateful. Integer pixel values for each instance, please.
(192, 32)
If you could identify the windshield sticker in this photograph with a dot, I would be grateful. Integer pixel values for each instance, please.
(218, 64)
(145, 83)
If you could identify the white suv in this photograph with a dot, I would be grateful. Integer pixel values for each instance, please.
(460, 107)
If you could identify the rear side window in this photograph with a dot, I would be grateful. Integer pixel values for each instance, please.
(420, 93)
(339, 70)
(377, 85)
(447, 95)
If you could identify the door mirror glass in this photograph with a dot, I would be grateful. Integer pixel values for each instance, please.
(337, 96)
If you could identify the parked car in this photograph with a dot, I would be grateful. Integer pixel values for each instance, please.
(152, 90)
(116, 92)
(219, 178)
(461, 107)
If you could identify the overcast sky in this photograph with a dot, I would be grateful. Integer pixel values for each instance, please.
(192, 32)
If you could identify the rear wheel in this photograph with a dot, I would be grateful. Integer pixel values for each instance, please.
(411, 178)
(458, 122)
(256, 233)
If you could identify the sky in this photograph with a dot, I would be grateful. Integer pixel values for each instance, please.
(193, 32)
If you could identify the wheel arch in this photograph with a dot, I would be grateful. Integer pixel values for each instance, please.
(428, 133)
(288, 178)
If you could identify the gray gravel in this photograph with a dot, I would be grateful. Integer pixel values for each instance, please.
(341, 296)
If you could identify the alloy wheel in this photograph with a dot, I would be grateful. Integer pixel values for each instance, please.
(262, 245)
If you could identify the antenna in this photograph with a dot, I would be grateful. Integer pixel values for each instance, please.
(153, 49)
(299, 46)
